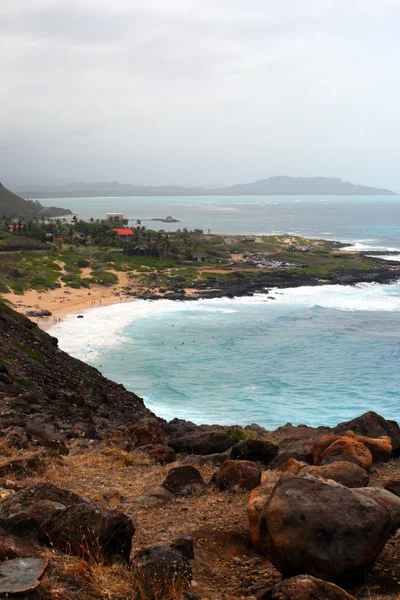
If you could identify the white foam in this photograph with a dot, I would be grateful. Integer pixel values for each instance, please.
(395, 257)
(363, 246)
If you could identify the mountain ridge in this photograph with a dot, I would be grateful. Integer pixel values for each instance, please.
(12, 205)
(277, 185)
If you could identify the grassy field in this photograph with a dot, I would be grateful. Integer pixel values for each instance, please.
(44, 270)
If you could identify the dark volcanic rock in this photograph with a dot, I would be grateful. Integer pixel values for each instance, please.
(372, 425)
(255, 450)
(182, 480)
(206, 439)
(161, 572)
(67, 390)
(393, 485)
(321, 528)
(243, 475)
(88, 529)
(299, 439)
(282, 457)
(382, 496)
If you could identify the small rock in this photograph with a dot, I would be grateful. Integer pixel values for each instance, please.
(155, 498)
(161, 572)
(184, 545)
(255, 450)
(243, 475)
(182, 480)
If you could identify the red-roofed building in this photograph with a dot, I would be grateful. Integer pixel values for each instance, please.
(124, 233)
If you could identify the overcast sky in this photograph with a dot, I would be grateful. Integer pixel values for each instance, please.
(199, 91)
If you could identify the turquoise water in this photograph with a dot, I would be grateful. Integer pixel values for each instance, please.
(311, 355)
(372, 221)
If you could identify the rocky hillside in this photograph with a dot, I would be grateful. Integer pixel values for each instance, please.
(14, 206)
(41, 384)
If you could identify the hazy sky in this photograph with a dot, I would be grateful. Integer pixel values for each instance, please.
(200, 91)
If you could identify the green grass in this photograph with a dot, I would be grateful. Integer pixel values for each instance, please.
(30, 352)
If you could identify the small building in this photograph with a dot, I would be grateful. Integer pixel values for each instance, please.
(115, 217)
(124, 234)
(199, 256)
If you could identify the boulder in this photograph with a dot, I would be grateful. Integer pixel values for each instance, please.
(255, 450)
(380, 448)
(161, 573)
(199, 460)
(322, 528)
(299, 438)
(306, 587)
(88, 529)
(336, 445)
(391, 501)
(162, 454)
(374, 426)
(257, 500)
(393, 485)
(155, 498)
(346, 473)
(182, 480)
(206, 439)
(242, 475)
(21, 575)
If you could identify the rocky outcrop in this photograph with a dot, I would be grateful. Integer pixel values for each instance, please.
(335, 445)
(52, 388)
(161, 454)
(346, 473)
(372, 425)
(241, 475)
(255, 450)
(322, 528)
(306, 587)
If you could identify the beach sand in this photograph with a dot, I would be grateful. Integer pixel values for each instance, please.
(65, 300)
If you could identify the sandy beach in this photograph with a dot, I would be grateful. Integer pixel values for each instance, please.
(65, 300)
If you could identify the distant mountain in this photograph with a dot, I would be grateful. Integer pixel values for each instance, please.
(273, 186)
(12, 206)
(304, 186)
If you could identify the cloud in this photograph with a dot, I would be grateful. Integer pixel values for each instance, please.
(200, 90)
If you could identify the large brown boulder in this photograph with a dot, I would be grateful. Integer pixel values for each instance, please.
(322, 528)
(206, 439)
(88, 529)
(374, 426)
(336, 445)
(182, 480)
(233, 474)
(256, 450)
(380, 448)
(346, 473)
(306, 587)
(393, 485)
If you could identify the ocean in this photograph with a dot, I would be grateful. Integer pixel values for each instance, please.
(307, 355)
